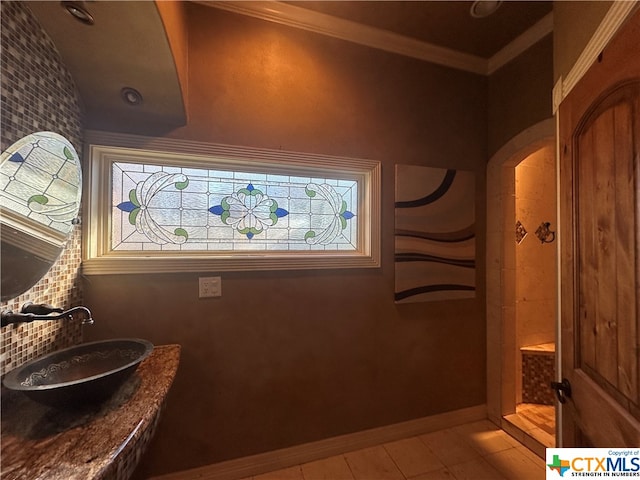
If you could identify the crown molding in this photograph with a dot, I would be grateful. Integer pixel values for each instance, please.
(525, 40)
(611, 23)
(305, 19)
(328, 25)
(556, 95)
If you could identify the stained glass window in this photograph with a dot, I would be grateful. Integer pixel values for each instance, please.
(159, 207)
(39, 180)
(165, 205)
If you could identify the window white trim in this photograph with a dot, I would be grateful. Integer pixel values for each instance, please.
(104, 148)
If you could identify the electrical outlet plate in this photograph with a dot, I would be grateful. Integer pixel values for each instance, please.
(210, 287)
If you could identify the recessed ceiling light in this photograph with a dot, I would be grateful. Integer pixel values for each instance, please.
(78, 11)
(484, 8)
(131, 96)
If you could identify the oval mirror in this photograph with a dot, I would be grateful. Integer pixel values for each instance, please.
(40, 190)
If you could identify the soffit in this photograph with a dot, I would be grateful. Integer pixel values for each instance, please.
(126, 47)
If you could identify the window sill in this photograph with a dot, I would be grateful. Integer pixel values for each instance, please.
(222, 263)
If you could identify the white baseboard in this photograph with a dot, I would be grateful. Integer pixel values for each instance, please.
(308, 452)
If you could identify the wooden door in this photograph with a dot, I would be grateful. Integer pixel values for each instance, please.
(600, 252)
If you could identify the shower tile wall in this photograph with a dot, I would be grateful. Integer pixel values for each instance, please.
(38, 94)
(535, 261)
(538, 368)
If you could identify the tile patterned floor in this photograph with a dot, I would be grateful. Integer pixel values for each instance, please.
(473, 451)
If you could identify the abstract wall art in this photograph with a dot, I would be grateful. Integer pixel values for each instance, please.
(435, 244)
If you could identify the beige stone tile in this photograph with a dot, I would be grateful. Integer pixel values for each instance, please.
(412, 456)
(485, 437)
(373, 463)
(516, 433)
(533, 456)
(409, 457)
(332, 468)
(449, 447)
(533, 444)
(542, 416)
(520, 422)
(441, 474)
(291, 473)
(477, 469)
(514, 463)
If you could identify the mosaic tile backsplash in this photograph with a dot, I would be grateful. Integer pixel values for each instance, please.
(38, 94)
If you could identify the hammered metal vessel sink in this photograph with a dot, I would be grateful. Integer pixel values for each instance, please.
(81, 375)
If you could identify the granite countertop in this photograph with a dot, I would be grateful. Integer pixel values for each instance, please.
(105, 441)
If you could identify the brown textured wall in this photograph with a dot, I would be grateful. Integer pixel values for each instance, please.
(574, 24)
(284, 358)
(261, 84)
(520, 94)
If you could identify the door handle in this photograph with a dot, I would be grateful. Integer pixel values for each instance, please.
(563, 390)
